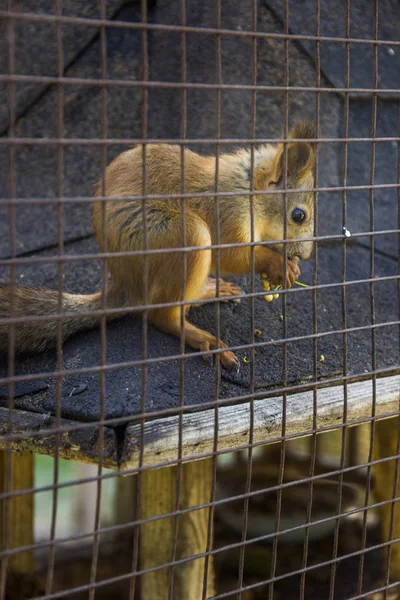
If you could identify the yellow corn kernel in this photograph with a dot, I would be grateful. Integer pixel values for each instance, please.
(246, 360)
(269, 297)
(265, 286)
(257, 332)
(322, 358)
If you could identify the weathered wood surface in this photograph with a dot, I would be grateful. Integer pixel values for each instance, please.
(75, 444)
(161, 436)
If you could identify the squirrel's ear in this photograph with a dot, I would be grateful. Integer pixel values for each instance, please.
(266, 173)
(300, 155)
(300, 158)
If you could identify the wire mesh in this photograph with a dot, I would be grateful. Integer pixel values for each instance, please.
(244, 442)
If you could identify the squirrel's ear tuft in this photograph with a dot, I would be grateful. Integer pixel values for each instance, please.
(300, 158)
(300, 155)
(303, 130)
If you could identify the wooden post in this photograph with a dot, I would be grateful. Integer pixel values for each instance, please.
(16, 514)
(157, 537)
(125, 502)
(386, 444)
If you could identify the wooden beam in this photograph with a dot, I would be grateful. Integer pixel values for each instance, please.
(161, 436)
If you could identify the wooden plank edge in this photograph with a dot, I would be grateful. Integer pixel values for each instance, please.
(161, 436)
(74, 444)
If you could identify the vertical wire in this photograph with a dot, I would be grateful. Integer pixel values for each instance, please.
(372, 289)
(344, 307)
(145, 78)
(183, 135)
(60, 227)
(284, 302)
(11, 91)
(252, 287)
(313, 445)
(398, 214)
(397, 462)
(218, 59)
(372, 299)
(103, 319)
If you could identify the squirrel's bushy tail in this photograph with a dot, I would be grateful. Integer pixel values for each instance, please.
(34, 301)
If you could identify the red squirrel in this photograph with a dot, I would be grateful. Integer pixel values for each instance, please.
(125, 232)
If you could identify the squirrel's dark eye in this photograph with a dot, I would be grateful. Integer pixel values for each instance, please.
(298, 215)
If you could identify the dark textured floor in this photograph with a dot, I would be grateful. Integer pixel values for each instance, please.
(36, 177)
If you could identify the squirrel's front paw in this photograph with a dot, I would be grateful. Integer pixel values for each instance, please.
(292, 271)
(274, 271)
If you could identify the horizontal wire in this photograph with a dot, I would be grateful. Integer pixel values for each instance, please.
(128, 310)
(145, 26)
(31, 260)
(90, 81)
(185, 560)
(215, 504)
(242, 193)
(191, 355)
(72, 141)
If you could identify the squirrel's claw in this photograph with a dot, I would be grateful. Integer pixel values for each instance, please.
(233, 363)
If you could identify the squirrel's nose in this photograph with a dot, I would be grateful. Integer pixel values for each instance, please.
(306, 250)
(301, 251)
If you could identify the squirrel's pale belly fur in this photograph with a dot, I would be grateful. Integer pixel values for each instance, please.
(124, 231)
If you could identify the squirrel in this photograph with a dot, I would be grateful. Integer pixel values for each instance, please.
(125, 232)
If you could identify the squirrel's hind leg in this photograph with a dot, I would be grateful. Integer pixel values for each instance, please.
(169, 284)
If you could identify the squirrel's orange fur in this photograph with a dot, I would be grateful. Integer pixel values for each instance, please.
(125, 232)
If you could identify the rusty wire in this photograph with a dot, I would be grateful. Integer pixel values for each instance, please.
(12, 437)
